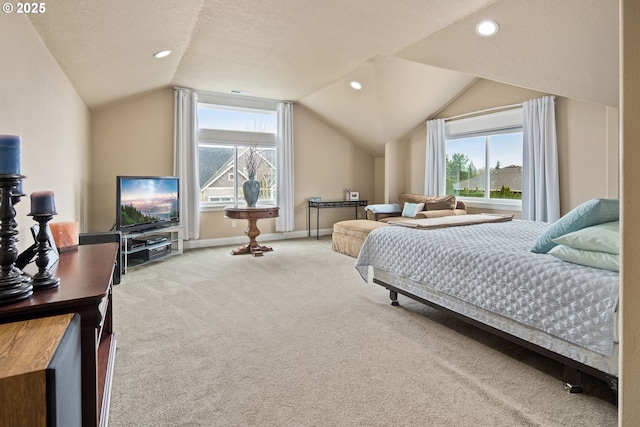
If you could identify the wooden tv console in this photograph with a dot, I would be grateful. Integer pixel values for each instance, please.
(85, 288)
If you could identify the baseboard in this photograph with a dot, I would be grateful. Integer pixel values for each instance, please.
(239, 240)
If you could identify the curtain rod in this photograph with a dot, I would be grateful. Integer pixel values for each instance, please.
(234, 95)
(504, 107)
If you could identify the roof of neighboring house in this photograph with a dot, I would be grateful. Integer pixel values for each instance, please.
(510, 176)
(224, 169)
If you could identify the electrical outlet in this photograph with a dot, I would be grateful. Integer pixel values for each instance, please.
(233, 223)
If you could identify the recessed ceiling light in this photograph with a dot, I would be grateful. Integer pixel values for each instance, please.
(487, 28)
(162, 53)
(356, 85)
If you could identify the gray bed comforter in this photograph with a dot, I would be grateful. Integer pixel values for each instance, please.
(490, 266)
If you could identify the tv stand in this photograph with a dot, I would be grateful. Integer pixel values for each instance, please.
(142, 247)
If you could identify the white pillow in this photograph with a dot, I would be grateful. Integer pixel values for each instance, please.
(410, 210)
(592, 212)
(602, 238)
(594, 259)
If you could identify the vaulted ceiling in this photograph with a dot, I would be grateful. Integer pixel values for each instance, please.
(412, 56)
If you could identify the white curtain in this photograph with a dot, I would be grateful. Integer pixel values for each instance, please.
(540, 182)
(284, 150)
(434, 182)
(185, 159)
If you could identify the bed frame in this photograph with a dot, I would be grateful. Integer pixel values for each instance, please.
(572, 368)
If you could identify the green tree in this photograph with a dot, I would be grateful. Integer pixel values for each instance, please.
(459, 167)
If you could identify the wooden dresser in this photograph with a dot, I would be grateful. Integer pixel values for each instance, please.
(85, 288)
(40, 373)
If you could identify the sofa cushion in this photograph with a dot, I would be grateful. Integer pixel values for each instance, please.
(358, 228)
(348, 236)
(431, 203)
(436, 214)
(380, 216)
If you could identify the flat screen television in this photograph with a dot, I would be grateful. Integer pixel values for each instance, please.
(146, 202)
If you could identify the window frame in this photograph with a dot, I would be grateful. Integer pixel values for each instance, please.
(236, 140)
(502, 122)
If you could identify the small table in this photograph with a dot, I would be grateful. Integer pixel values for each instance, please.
(332, 204)
(252, 215)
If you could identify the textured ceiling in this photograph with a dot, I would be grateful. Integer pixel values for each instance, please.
(568, 47)
(412, 56)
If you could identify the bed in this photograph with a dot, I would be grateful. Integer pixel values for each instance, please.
(486, 274)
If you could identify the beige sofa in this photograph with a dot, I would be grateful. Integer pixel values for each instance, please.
(434, 207)
(348, 236)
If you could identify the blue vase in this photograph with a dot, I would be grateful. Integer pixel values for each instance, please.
(251, 190)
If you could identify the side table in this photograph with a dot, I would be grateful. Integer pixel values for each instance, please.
(332, 204)
(252, 215)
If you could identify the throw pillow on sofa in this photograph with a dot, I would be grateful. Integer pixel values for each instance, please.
(431, 203)
(410, 210)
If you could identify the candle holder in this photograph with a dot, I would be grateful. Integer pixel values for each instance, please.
(12, 286)
(43, 279)
(16, 195)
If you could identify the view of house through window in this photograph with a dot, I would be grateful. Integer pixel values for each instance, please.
(486, 164)
(225, 135)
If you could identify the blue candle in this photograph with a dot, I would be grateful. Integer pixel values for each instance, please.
(9, 155)
(42, 203)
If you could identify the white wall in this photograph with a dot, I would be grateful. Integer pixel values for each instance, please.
(395, 160)
(629, 400)
(38, 103)
(135, 137)
(588, 146)
(587, 142)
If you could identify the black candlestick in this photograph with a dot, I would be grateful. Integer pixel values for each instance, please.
(43, 279)
(12, 286)
(16, 195)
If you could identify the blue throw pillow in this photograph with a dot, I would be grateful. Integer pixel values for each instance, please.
(592, 212)
(411, 209)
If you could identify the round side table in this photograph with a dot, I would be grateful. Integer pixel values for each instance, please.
(252, 215)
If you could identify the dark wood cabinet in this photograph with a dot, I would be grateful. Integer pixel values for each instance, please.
(40, 375)
(86, 277)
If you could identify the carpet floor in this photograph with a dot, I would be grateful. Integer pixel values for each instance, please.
(297, 338)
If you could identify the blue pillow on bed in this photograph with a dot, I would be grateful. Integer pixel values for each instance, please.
(594, 259)
(592, 212)
(600, 238)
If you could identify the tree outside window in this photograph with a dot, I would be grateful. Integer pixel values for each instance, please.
(466, 166)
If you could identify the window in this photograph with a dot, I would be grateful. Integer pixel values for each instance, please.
(225, 133)
(484, 157)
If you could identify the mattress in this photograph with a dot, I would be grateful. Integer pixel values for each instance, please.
(486, 272)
